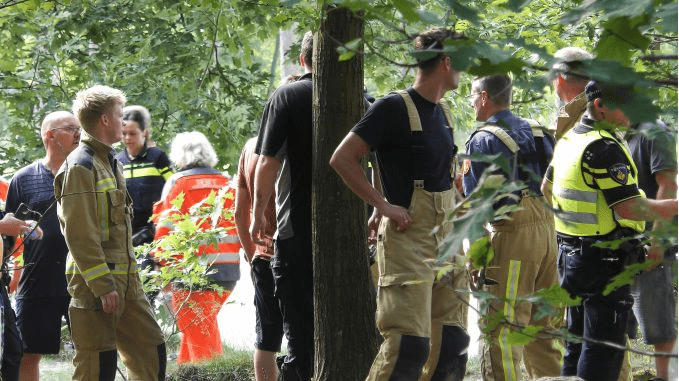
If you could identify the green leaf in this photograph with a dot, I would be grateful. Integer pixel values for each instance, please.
(609, 9)
(517, 5)
(620, 36)
(407, 10)
(481, 252)
(668, 17)
(524, 336)
(555, 296)
(463, 11)
(626, 277)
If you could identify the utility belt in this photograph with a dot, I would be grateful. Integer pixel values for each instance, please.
(623, 244)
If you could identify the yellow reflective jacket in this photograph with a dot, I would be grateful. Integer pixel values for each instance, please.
(581, 209)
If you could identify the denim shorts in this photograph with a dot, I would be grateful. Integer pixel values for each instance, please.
(655, 305)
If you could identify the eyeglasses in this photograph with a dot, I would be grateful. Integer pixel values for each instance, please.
(71, 130)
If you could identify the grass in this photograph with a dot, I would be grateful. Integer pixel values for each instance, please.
(236, 365)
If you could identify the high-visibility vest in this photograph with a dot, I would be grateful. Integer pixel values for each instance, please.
(581, 210)
(196, 187)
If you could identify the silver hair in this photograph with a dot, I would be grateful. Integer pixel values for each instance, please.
(192, 149)
(565, 58)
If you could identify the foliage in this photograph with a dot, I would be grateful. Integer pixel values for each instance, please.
(204, 65)
(178, 251)
(197, 65)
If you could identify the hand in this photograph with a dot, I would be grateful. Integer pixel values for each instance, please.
(257, 224)
(37, 233)
(110, 302)
(458, 183)
(656, 254)
(13, 226)
(399, 215)
(373, 225)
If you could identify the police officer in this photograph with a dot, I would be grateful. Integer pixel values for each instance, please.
(525, 243)
(592, 181)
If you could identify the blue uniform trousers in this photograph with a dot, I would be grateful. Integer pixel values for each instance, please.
(584, 271)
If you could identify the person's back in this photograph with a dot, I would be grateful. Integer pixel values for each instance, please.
(268, 319)
(285, 146)
(524, 241)
(195, 185)
(287, 134)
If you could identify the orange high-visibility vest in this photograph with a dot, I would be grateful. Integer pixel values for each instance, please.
(196, 184)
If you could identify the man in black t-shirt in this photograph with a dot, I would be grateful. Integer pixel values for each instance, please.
(42, 299)
(421, 318)
(285, 145)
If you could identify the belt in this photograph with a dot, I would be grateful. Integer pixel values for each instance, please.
(568, 240)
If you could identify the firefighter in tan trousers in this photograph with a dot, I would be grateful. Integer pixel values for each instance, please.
(525, 243)
(422, 319)
(109, 312)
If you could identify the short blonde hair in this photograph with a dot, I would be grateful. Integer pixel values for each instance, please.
(192, 149)
(89, 105)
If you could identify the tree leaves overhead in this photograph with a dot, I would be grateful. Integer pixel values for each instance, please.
(195, 65)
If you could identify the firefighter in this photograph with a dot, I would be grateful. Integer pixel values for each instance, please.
(109, 311)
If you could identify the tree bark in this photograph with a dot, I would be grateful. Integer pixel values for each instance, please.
(344, 306)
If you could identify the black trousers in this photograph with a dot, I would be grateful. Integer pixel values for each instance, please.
(12, 351)
(292, 269)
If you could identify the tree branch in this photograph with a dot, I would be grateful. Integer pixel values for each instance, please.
(559, 335)
(656, 58)
(9, 3)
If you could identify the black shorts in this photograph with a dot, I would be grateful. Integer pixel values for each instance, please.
(269, 325)
(39, 323)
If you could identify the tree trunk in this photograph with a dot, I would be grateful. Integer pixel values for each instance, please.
(345, 337)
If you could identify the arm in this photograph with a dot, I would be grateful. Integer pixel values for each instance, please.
(667, 189)
(546, 187)
(346, 160)
(265, 177)
(639, 208)
(242, 220)
(376, 217)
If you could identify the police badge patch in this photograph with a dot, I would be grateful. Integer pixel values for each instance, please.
(619, 173)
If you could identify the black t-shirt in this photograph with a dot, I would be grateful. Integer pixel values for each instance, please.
(404, 156)
(653, 148)
(286, 133)
(45, 259)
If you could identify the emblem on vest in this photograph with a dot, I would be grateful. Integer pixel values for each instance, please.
(619, 173)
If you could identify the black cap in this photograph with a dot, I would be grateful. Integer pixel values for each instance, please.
(592, 90)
